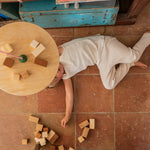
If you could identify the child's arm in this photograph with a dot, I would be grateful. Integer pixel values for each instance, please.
(69, 101)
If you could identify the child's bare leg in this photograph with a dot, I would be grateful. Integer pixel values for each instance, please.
(141, 45)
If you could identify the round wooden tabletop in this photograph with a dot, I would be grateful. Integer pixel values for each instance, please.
(19, 35)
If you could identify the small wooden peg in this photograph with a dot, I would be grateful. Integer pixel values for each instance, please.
(81, 139)
(24, 141)
(85, 132)
(33, 119)
(92, 123)
(84, 124)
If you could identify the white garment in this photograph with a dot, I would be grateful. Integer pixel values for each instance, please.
(105, 52)
(80, 53)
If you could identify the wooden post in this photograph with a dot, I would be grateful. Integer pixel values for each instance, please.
(136, 7)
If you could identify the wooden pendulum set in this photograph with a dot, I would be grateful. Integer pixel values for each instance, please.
(38, 48)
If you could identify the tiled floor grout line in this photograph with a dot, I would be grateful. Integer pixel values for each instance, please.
(74, 33)
(75, 91)
(80, 113)
(114, 131)
(129, 74)
(110, 112)
(104, 30)
(113, 101)
(36, 98)
(114, 119)
(75, 142)
(138, 73)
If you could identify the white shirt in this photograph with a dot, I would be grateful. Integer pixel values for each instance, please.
(80, 53)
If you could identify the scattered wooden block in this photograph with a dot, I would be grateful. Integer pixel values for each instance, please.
(70, 148)
(44, 134)
(17, 76)
(38, 50)
(41, 62)
(81, 139)
(24, 74)
(37, 146)
(54, 138)
(6, 48)
(34, 44)
(45, 129)
(24, 141)
(84, 124)
(92, 123)
(33, 119)
(37, 140)
(38, 135)
(61, 147)
(8, 62)
(52, 147)
(39, 127)
(85, 132)
(50, 135)
(42, 141)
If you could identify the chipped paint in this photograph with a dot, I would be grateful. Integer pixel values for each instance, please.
(53, 15)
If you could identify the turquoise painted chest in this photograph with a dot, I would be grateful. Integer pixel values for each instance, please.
(47, 14)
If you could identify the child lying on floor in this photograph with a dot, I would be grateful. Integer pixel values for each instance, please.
(104, 51)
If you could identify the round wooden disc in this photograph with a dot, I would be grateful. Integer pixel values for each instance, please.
(19, 35)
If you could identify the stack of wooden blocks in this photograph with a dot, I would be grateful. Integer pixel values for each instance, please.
(8, 62)
(86, 126)
(43, 134)
(38, 49)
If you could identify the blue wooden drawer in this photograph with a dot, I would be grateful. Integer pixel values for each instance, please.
(47, 14)
(9, 10)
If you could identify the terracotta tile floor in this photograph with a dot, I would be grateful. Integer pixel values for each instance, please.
(122, 115)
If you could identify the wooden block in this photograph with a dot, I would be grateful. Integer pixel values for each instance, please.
(85, 132)
(42, 141)
(84, 124)
(45, 129)
(24, 141)
(92, 123)
(81, 139)
(8, 62)
(39, 127)
(41, 62)
(24, 74)
(50, 135)
(70, 148)
(54, 138)
(38, 50)
(17, 76)
(37, 146)
(52, 147)
(37, 140)
(44, 134)
(6, 48)
(33, 119)
(34, 44)
(61, 147)
(38, 135)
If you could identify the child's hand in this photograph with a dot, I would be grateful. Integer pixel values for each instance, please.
(64, 121)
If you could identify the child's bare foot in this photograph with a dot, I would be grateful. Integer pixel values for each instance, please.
(147, 32)
(140, 64)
